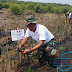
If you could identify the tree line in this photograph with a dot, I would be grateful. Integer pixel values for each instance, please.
(18, 7)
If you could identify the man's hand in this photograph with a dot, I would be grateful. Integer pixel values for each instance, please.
(18, 50)
(26, 51)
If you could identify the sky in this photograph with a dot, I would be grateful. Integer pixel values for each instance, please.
(52, 1)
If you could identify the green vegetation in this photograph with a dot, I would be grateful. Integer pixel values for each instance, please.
(59, 29)
(15, 9)
(29, 69)
(4, 5)
(9, 1)
(21, 7)
(1, 5)
(61, 48)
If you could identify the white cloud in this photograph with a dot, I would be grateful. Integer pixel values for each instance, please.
(52, 1)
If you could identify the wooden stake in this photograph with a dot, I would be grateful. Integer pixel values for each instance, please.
(11, 62)
(6, 66)
(2, 64)
(32, 44)
(27, 57)
(57, 69)
(7, 43)
(20, 55)
(19, 59)
(24, 59)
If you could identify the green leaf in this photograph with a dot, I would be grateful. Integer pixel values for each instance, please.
(29, 69)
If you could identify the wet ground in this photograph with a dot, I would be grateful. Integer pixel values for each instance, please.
(66, 46)
(9, 22)
(63, 47)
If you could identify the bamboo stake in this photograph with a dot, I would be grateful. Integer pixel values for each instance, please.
(18, 53)
(24, 59)
(65, 25)
(7, 43)
(6, 66)
(11, 62)
(2, 65)
(57, 69)
(19, 44)
(19, 59)
(7, 40)
(32, 44)
(28, 58)
(47, 66)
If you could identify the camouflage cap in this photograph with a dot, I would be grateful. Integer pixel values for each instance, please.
(30, 19)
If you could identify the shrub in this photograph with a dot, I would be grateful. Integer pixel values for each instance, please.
(66, 8)
(70, 10)
(22, 8)
(1, 5)
(6, 5)
(29, 12)
(57, 10)
(30, 6)
(48, 8)
(29, 69)
(38, 8)
(15, 9)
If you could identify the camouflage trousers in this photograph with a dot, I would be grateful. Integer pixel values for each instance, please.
(42, 51)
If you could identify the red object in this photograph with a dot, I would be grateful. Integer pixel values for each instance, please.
(71, 61)
(31, 16)
(17, 31)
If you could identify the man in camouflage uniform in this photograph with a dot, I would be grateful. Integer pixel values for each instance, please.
(44, 38)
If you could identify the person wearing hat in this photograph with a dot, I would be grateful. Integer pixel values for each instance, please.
(70, 17)
(44, 38)
(66, 15)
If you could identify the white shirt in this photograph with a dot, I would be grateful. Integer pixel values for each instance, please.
(69, 15)
(41, 33)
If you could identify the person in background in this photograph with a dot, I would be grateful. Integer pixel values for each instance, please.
(69, 17)
(66, 15)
